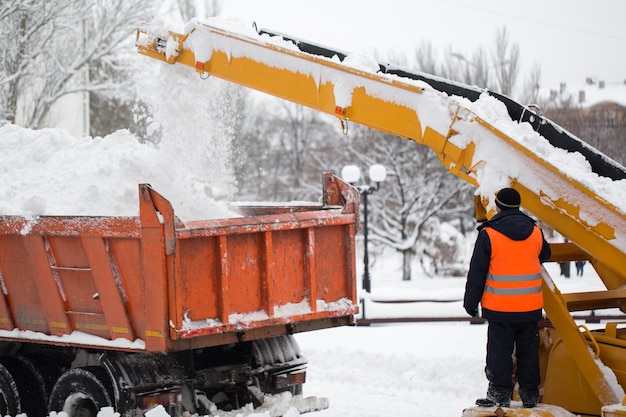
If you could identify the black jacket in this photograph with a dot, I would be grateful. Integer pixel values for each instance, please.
(517, 226)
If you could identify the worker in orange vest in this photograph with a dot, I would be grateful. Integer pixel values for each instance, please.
(505, 277)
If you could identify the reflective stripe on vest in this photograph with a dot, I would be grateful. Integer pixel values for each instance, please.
(514, 280)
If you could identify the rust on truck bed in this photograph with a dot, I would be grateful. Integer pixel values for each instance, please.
(176, 285)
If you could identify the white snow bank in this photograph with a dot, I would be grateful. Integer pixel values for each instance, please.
(49, 172)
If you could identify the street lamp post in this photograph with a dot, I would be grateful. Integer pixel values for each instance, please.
(377, 174)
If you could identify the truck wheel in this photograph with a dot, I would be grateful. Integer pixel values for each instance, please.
(30, 385)
(10, 404)
(81, 392)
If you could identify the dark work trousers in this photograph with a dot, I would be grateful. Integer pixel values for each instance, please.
(502, 338)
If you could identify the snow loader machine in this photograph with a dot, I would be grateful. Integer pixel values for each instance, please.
(583, 370)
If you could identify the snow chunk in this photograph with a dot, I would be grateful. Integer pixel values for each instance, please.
(157, 411)
(362, 62)
(283, 404)
(246, 318)
(340, 305)
(108, 412)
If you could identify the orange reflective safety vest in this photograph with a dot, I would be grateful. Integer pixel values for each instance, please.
(514, 280)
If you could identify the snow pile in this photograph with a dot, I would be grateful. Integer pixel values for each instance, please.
(49, 172)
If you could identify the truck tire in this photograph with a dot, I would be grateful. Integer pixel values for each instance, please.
(81, 392)
(30, 385)
(277, 352)
(10, 404)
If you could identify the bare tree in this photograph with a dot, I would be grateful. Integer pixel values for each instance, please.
(25, 33)
(55, 46)
(474, 70)
(506, 62)
(532, 85)
(496, 71)
(480, 74)
(189, 8)
(426, 59)
(282, 149)
(418, 188)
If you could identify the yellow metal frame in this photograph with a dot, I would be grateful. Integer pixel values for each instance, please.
(579, 348)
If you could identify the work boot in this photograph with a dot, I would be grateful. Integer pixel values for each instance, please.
(500, 397)
(529, 397)
(485, 402)
(488, 402)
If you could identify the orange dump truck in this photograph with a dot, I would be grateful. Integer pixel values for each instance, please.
(131, 312)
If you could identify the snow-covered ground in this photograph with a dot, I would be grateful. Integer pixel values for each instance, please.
(425, 369)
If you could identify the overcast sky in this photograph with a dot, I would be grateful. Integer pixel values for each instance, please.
(570, 39)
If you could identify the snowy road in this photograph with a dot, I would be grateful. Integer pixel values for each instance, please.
(425, 370)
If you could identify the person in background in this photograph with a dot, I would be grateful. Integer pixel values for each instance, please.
(580, 265)
(505, 278)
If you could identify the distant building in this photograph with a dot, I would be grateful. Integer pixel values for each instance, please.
(595, 112)
(589, 93)
(606, 114)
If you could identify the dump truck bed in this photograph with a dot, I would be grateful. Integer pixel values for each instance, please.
(154, 283)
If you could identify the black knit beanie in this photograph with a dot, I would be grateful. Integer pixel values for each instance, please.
(508, 198)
